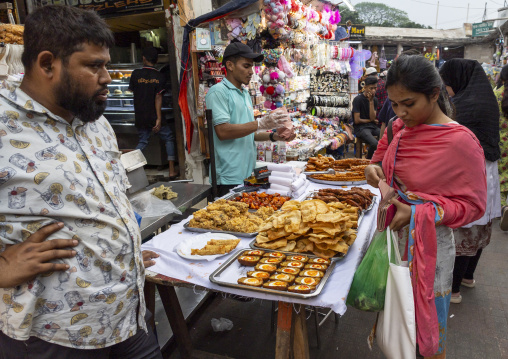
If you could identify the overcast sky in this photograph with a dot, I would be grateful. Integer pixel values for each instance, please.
(452, 13)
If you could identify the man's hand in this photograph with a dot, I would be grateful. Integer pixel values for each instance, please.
(157, 126)
(402, 216)
(370, 96)
(21, 262)
(376, 121)
(147, 258)
(374, 174)
(274, 119)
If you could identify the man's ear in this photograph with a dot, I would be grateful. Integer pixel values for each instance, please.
(45, 63)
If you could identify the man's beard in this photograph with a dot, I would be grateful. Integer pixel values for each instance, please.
(70, 97)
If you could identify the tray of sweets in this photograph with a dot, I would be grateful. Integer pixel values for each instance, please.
(336, 257)
(206, 230)
(232, 195)
(231, 271)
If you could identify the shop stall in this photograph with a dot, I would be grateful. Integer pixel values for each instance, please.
(304, 70)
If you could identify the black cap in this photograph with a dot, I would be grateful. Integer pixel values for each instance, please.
(240, 49)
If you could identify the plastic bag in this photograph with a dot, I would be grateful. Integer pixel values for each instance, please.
(221, 325)
(368, 289)
(147, 205)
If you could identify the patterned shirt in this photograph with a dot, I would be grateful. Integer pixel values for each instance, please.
(381, 95)
(52, 171)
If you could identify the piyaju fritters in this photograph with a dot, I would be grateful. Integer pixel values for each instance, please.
(230, 216)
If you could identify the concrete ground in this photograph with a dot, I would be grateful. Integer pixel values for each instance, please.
(477, 328)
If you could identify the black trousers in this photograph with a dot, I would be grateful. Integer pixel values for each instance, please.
(464, 269)
(368, 135)
(139, 346)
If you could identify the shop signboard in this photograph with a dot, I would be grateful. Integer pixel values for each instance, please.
(482, 28)
(357, 32)
(108, 7)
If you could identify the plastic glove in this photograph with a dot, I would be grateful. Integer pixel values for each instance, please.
(274, 119)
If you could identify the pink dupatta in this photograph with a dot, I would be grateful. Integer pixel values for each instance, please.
(444, 165)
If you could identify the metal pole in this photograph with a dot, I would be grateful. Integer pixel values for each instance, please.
(437, 13)
(211, 148)
(467, 15)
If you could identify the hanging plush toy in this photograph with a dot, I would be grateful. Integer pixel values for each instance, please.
(276, 15)
(273, 87)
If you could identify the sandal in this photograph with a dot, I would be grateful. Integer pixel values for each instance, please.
(469, 285)
(503, 223)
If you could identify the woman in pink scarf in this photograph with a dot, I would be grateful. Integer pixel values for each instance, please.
(438, 168)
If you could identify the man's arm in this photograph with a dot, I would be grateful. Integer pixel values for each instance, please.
(372, 110)
(359, 120)
(228, 131)
(158, 110)
(265, 136)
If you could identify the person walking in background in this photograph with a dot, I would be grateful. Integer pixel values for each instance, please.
(502, 100)
(477, 109)
(364, 115)
(438, 169)
(148, 86)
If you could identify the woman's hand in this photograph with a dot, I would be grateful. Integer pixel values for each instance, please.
(374, 174)
(402, 216)
(147, 258)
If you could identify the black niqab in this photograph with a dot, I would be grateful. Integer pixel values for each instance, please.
(475, 103)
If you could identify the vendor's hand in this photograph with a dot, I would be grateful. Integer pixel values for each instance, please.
(374, 174)
(287, 138)
(402, 216)
(157, 126)
(20, 263)
(274, 119)
(147, 258)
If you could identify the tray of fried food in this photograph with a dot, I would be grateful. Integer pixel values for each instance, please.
(340, 178)
(355, 196)
(312, 226)
(230, 217)
(257, 200)
(322, 163)
(284, 279)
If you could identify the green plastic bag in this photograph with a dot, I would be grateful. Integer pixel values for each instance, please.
(368, 289)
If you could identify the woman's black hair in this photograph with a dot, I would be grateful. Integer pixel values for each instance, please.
(62, 30)
(418, 74)
(503, 78)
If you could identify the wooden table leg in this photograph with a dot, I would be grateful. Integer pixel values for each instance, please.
(176, 320)
(300, 335)
(283, 341)
(150, 301)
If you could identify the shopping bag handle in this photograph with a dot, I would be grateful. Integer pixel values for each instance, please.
(391, 241)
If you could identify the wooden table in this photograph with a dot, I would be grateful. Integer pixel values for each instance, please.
(291, 341)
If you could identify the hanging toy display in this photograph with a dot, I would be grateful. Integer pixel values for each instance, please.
(273, 80)
(276, 15)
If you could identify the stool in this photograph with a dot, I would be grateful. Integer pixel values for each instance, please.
(358, 148)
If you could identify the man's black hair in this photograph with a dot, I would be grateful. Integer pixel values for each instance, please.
(62, 30)
(151, 55)
(234, 59)
(371, 80)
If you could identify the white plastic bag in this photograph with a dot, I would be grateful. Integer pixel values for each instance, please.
(396, 326)
(147, 205)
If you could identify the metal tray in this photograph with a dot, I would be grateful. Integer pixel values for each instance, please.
(204, 230)
(337, 183)
(215, 277)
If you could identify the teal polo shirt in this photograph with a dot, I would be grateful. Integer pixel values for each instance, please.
(235, 159)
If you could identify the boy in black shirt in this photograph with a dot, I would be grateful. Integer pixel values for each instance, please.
(147, 84)
(364, 115)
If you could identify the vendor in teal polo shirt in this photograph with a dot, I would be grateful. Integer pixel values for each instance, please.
(233, 119)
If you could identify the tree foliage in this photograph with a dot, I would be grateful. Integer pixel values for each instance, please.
(377, 14)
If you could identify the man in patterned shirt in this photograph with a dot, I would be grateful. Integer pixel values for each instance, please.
(61, 177)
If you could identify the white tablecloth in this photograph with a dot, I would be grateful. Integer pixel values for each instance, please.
(333, 295)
